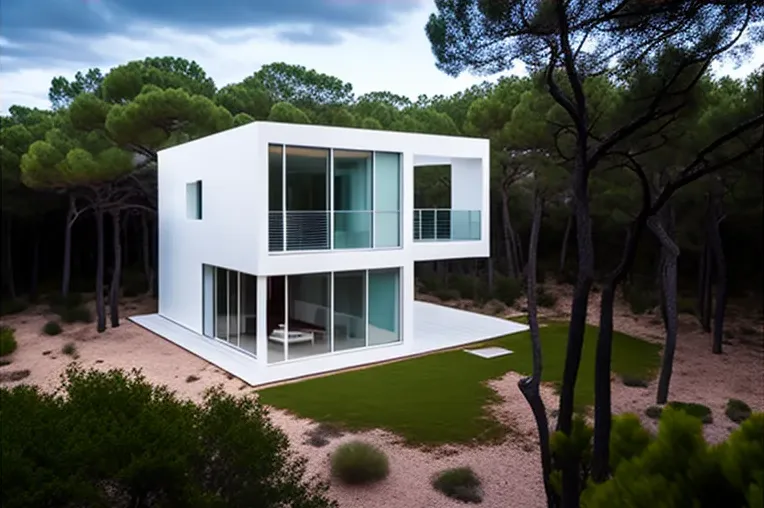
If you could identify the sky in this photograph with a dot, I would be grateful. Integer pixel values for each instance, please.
(373, 44)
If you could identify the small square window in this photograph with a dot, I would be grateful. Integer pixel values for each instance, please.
(194, 200)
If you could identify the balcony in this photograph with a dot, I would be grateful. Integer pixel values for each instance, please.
(310, 230)
(445, 225)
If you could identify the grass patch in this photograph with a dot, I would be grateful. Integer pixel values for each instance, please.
(460, 483)
(443, 397)
(737, 410)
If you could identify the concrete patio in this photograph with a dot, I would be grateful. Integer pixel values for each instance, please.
(435, 328)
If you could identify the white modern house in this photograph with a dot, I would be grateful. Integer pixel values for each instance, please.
(288, 250)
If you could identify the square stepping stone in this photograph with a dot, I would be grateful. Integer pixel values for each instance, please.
(489, 352)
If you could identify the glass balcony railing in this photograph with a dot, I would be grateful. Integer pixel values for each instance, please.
(444, 225)
(353, 229)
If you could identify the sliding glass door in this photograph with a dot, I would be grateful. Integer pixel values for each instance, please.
(229, 307)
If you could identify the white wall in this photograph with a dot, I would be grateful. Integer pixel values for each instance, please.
(226, 236)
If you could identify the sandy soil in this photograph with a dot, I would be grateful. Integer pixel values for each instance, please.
(511, 466)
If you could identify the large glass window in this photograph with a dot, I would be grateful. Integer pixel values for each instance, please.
(275, 198)
(343, 199)
(384, 306)
(352, 199)
(309, 307)
(349, 310)
(230, 306)
(277, 324)
(387, 199)
(248, 313)
(307, 198)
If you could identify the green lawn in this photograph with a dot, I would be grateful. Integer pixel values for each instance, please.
(442, 398)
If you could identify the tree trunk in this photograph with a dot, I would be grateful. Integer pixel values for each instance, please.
(147, 264)
(9, 278)
(720, 266)
(706, 279)
(509, 236)
(67, 273)
(116, 273)
(530, 386)
(571, 469)
(668, 283)
(564, 247)
(34, 282)
(100, 310)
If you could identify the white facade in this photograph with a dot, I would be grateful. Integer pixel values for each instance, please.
(214, 210)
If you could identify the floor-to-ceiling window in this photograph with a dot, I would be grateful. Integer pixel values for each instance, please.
(349, 310)
(275, 198)
(321, 198)
(307, 198)
(352, 199)
(387, 199)
(384, 306)
(229, 307)
(307, 315)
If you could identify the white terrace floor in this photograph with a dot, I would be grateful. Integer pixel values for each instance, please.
(435, 327)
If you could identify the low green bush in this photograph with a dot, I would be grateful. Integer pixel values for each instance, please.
(69, 349)
(12, 306)
(446, 295)
(640, 300)
(737, 410)
(358, 463)
(544, 298)
(634, 382)
(58, 301)
(654, 412)
(224, 451)
(507, 289)
(460, 483)
(79, 314)
(52, 328)
(7, 340)
(699, 411)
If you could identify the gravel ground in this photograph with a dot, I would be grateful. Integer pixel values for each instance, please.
(508, 469)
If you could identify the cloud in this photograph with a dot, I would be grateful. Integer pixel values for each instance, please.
(396, 57)
(63, 30)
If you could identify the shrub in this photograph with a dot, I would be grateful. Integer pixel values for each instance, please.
(507, 289)
(465, 285)
(544, 298)
(58, 301)
(640, 300)
(633, 381)
(222, 452)
(654, 412)
(51, 328)
(737, 410)
(699, 411)
(446, 295)
(357, 463)
(495, 307)
(69, 349)
(678, 468)
(7, 340)
(79, 314)
(460, 483)
(12, 306)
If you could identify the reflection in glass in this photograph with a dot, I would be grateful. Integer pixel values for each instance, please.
(384, 306)
(387, 199)
(307, 198)
(349, 310)
(309, 309)
(248, 313)
(275, 201)
(352, 199)
(276, 325)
